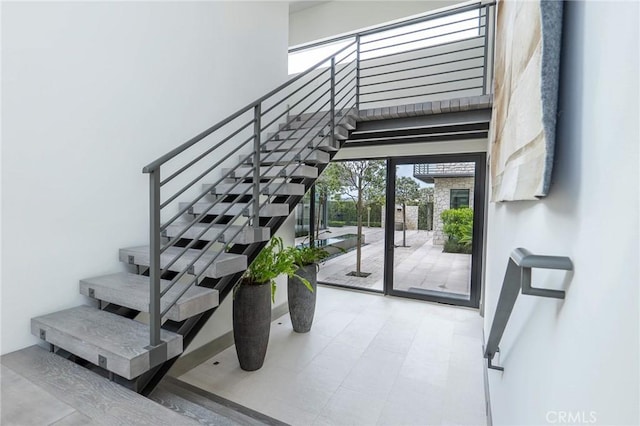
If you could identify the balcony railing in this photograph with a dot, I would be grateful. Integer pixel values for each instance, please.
(444, 169)
(439, 56)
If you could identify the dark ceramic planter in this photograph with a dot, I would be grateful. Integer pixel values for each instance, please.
(302, 302)
(251, 324)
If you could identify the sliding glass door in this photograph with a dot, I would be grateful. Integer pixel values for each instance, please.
(409, 226)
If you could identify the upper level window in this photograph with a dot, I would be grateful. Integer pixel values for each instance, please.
(459, 198)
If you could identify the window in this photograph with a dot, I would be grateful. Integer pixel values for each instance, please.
(459, 198)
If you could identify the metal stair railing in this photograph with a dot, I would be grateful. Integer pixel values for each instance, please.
(517, 279)
(369, 69)
(320, 98)
(437, 56)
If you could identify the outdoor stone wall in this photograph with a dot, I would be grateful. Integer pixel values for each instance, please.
(412, 216)
(441, 201)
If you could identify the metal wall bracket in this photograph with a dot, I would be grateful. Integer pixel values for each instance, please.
(157, 354)
(517, 280)
(102, 362)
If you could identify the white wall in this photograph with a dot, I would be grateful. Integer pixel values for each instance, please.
(579, 355)
(91, 92)
(338, 17)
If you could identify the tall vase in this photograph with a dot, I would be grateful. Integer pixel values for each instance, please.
(302, 302)
(251, 324)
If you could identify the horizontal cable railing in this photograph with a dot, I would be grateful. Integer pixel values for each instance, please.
(244, 160)
(439, 56)
(429, 169)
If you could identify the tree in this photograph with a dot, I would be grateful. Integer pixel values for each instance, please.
(361, 181)
(407, 191)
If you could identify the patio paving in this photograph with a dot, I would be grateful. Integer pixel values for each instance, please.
(418, 267)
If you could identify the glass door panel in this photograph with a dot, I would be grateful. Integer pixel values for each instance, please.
(351, 200)
(434, 230)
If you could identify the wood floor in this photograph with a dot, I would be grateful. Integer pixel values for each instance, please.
(40, 388)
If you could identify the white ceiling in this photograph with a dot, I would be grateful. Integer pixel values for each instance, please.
(298, 5)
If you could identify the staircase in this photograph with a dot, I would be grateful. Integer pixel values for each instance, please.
(196, 256)
(215, 201)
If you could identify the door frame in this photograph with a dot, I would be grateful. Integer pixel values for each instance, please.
(479, 159)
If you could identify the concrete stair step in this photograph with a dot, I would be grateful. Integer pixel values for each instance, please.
(268, 210)
(225, 264)
(218, 233)
(305, 122)
(274, 188)
(132, 291)
(268, 172)
(310, 134)
(110, 341)
(323, 143)
(306, 156)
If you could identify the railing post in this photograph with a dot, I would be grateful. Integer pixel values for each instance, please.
(257, 115)
(486, 50)
(358, 72)
(333, 101)
(154, 258)
(312, 216)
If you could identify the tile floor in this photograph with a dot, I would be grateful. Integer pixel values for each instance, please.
(420, 265)
(368, 360)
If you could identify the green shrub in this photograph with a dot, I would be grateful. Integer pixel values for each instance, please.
(458, 227)
(451, 246)
(336, 223)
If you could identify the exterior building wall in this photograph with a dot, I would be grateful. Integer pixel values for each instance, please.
(412, 216)
(442, 201)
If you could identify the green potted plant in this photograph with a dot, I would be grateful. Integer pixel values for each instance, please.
(301, 286)
(252, 303)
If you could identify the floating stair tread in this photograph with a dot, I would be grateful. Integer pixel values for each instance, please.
(269, 172)
(89, 333)
(273, 188)
(348, 122)
(225, 263)
(132, 291)
(307, 156)
(324, 143)
(246, 236)
(267, 210)
(340, 131)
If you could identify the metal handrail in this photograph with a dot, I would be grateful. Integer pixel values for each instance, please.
(517, 279)
(387, 27)
(188, 144)
(321, 101)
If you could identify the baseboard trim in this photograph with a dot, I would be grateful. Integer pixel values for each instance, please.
(196, 357)
(487, 397)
